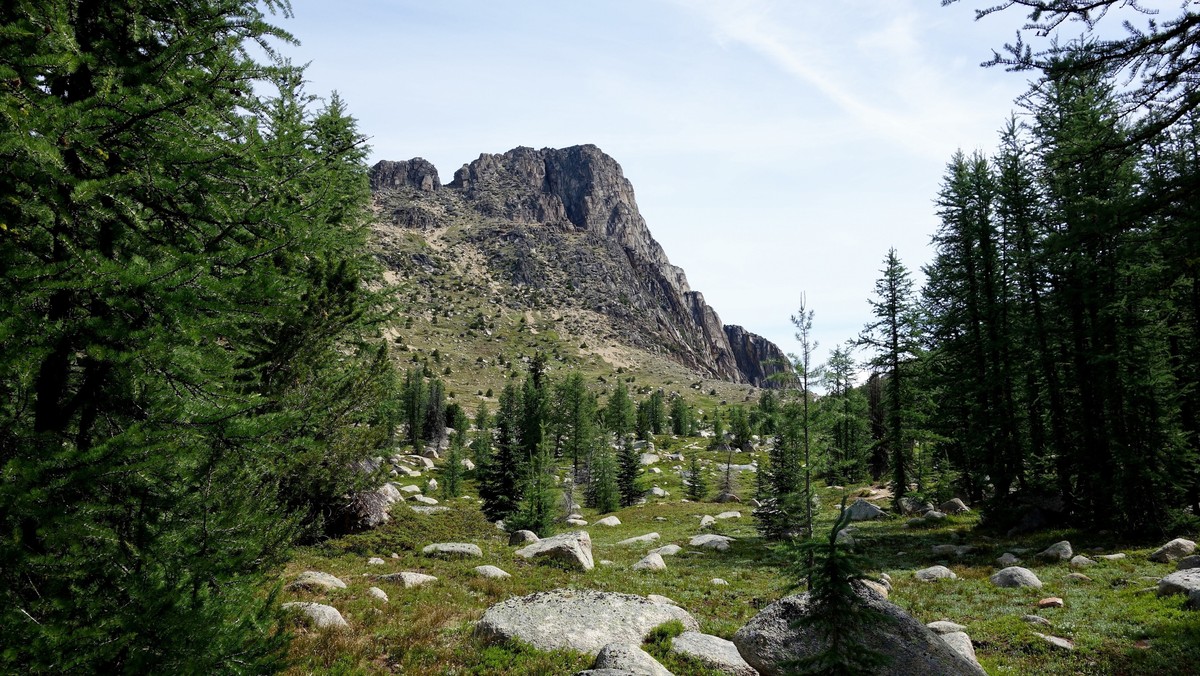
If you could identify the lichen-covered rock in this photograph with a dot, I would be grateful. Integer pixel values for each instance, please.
(713, 652)
(1059, 551)
(629, 657)
(772, 637)
(571, 549)
(1173, 550)
(407, 579)
(711, 541)
(608, 521)
(320, 615)
(651, 562)
(312, 580)
(935, 573)
(1016, 576)
(453, 550)
(578, 619)
(862, 510)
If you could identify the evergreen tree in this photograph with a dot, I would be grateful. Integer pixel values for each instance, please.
(577, 413)
(739, 425)
(718, 442)
(502, 480)
(629, 470)
(643, 425)
(697, 484)
(414, 400)
(681, 417)
(657, 412)
(434, 424)
(452, 471)
(845, 412)
(603, 493)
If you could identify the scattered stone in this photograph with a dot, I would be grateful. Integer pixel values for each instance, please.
(491, 572)
(1050, 602)
(729, 515)
(720, 582)
(1180, 582)
(1173, 550)
(577, 522)
(960, 643)
(577, 619)
(862, 510)
(609, 521)
(1007, 559)
(954, 506)
(431, 486)
(321, 615)
(713, 652)
(711, 541)
(707, 521)
(376, 561)
(945, 627)
(1078, 577)
(935, 573)
(573, 549)
(407, 579)
(453, 550)
(641, 539)
(934, 515)
(667, 550)
(774, 636)
(411, 488)
(651, 562)
(728, 497)
(880, 588)
(377, 593)
(427, 509)
(467, 464)
(1081, 561)
(1036, 619)
(845, 537)
(574, 515)
(628, 658)
(1016, 576)
(1112, 557)
(312, 580)
(658, 492)
(521, 537)
(1059, 551)
(755, 503)
(391, 493)
(648, 458)
(1193, 601)
(1060, 643)
(1187, 562)
(425, 499)
(655, 470)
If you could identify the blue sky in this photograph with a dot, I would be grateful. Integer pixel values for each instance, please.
(776, 148)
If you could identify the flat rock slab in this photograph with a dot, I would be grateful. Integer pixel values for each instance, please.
(714, 652)
(1112, 557)
(1174, 550)
(711, 541)
(729, 515)
(1180, 582)
(641, 539)
(578, 619)
(774, 636)
(630, 658)
(667, 550)
(320, 615)
(453, 550)
(1016, 576)
(608, 521)
(407, 579)
(491, 572)
(933, 573)
(428, 509)
(1060, 643)
(571, 549)
(312, 580)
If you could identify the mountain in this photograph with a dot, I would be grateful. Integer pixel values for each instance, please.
(560, 228)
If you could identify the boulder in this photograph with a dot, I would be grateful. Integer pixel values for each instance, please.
(954, 506)
(728, 497)
(933, 573)
(667, 550)
(572, 549)
(648, 458)
(1059, 551)
(1180, 582)
(1016, 576)
(629, 658)
(320, 615)
(1050, 602)
(584, 620)
(1172, 551)
(391, 493)
(407, 579)
(609, 521)
(1007, 559)
(1186, 562)
(713, 652)
(729, 515)
(707, 521)
(521, 537)
(453, 550)
(576, 522)
(772, 637)
(376, 561)
(945, 627)
(651, 562)
(711, 541)
(1060, 643)
(365, 510)
(1081, 561)
(961, 644)
(491, 572)
(862, 510)
(312, 580)
(658, 492)
(641, 539)
(377, 593)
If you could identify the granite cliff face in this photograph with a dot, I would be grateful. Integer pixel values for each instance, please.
(564, 223)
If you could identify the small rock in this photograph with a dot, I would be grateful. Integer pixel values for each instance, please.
(667, 550)
(377, 593)
(1078, 577)
(1059, 551)
(1081, 561)
(312, 580)
(410, 489)
(1036, 619)
(1173, 550)
(729, 515)
(1060, 643)
(658, 492)
(862, 510)
(491, 572)
(651, 562)
(728, 497)
(934, 515)
(935, 573)
(719, 582)
(609, 521)
(522, 537)
(460, 550)
(429, 509)
(1050, 602)
(711, 541)
(425, 500)
(376, 561)
(577, 522)
(407, 579)
(1112, 557)
(1016, 576)
(954, 506)
(707, 521)
(321, 615)
(641, 539)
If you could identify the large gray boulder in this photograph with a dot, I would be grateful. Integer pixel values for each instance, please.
(954, 506)
(453, 550)
(714, 652)
(1180, 582)
(571, 549)
(578, 619)
(312, 580)
(407, 579)
(651, 561)
(862, 510)
(960, 642)
(1172, 551)
(320, 615)
(629, 657)
(1059, 551)
(711, 541)
(935, 573)
(1016, 576)
(521, 537)
(771, 638)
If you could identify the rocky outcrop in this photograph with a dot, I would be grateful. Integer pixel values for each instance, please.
(566, 220)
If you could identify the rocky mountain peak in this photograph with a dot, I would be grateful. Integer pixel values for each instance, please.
(415, 173)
